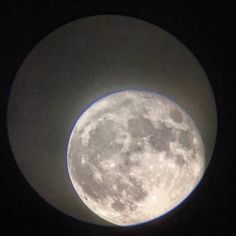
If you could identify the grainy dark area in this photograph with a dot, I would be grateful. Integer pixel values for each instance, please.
(208, 30)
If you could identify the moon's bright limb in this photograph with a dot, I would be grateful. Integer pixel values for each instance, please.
(133, 156)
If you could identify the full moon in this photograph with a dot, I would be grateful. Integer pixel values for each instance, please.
(133, 156)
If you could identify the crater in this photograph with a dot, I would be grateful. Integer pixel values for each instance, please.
(136, 148)
(185, 138)
(179, 160)
(118, 205)
(161, 138)
(101, 136)
(127, 102)
(98, 190)
(139, 127)
(158, 143)
(176, 115)
(131, 206)
(127, 162)
(89, 184)
(125, 166)
(76, 147)
(136, 191)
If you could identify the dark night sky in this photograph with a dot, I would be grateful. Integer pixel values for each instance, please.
(208, 31)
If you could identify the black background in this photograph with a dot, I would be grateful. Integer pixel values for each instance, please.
(208, 30)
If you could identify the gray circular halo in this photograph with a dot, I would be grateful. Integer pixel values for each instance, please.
(114, 147)
(75, 65)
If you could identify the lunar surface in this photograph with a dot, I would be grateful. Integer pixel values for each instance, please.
(134, 156)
